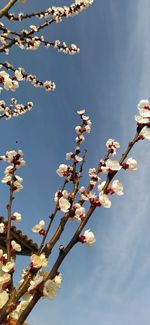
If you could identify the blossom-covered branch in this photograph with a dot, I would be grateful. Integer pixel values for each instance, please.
(106, 189)
(29, 40)
(39, 283)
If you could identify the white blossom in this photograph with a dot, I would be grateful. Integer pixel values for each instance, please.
(17, 217)
(3, 298)
(69, 155)
(58, 280)
(2, 228)
(40, 226)
(79, 211)
(88, 128)
(145, 133)
(144, 111)
(104, 200)
(113, 165)
(50, 289)
(88, 238)
(5, 279)
(82, 189)
(8, 267)
(6, 179)
(81, 112)
(64, 204)
(19, 74)
(78, 158)
(112, 145)
(101, 186)
(62, 170)
(21, 306)
(142, 120)
(38, 261)
(80, 138)
(117, 187)
(132, 164)
(143, 103)
(35, 282)
(15, 246)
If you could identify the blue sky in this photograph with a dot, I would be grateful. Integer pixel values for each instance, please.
(109, 282)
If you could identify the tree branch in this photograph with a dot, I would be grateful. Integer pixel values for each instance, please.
(9, 206)
(5, 9)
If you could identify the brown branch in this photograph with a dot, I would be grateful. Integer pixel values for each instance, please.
(9, 206)
(52, 217)
(58, 262)
(5, 9)
(49, 246)
(110, 176)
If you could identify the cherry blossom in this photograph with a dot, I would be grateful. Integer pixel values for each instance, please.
(104, 200)
(144, 111)
(35, 282)
(2, 228)
(50, 289)
(145, 133)
(3, 298)
(113, 165)
(112, 145)
(39, 227)
(79, 211)
(38, 261)
(64, 204)
(58, 280)
(88, 238)
(62, 170)
(8, 267)
(5, 279)
(17, 217)
(15, 246)
(130, 164)
(117, 187)
(21, 306)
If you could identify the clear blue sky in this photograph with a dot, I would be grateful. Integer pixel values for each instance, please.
(108, 283)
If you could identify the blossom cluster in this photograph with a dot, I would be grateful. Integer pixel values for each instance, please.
(112, 146)
(143, 119)
(63, 199)
(47, 287)
(15, 158)
(56, 12)
(6, 270)
(20, 74)
(26, 40)
(68, 202)
(33, 43)
(85, 127)
(16, 217)
(7, 82)
(14, 109)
